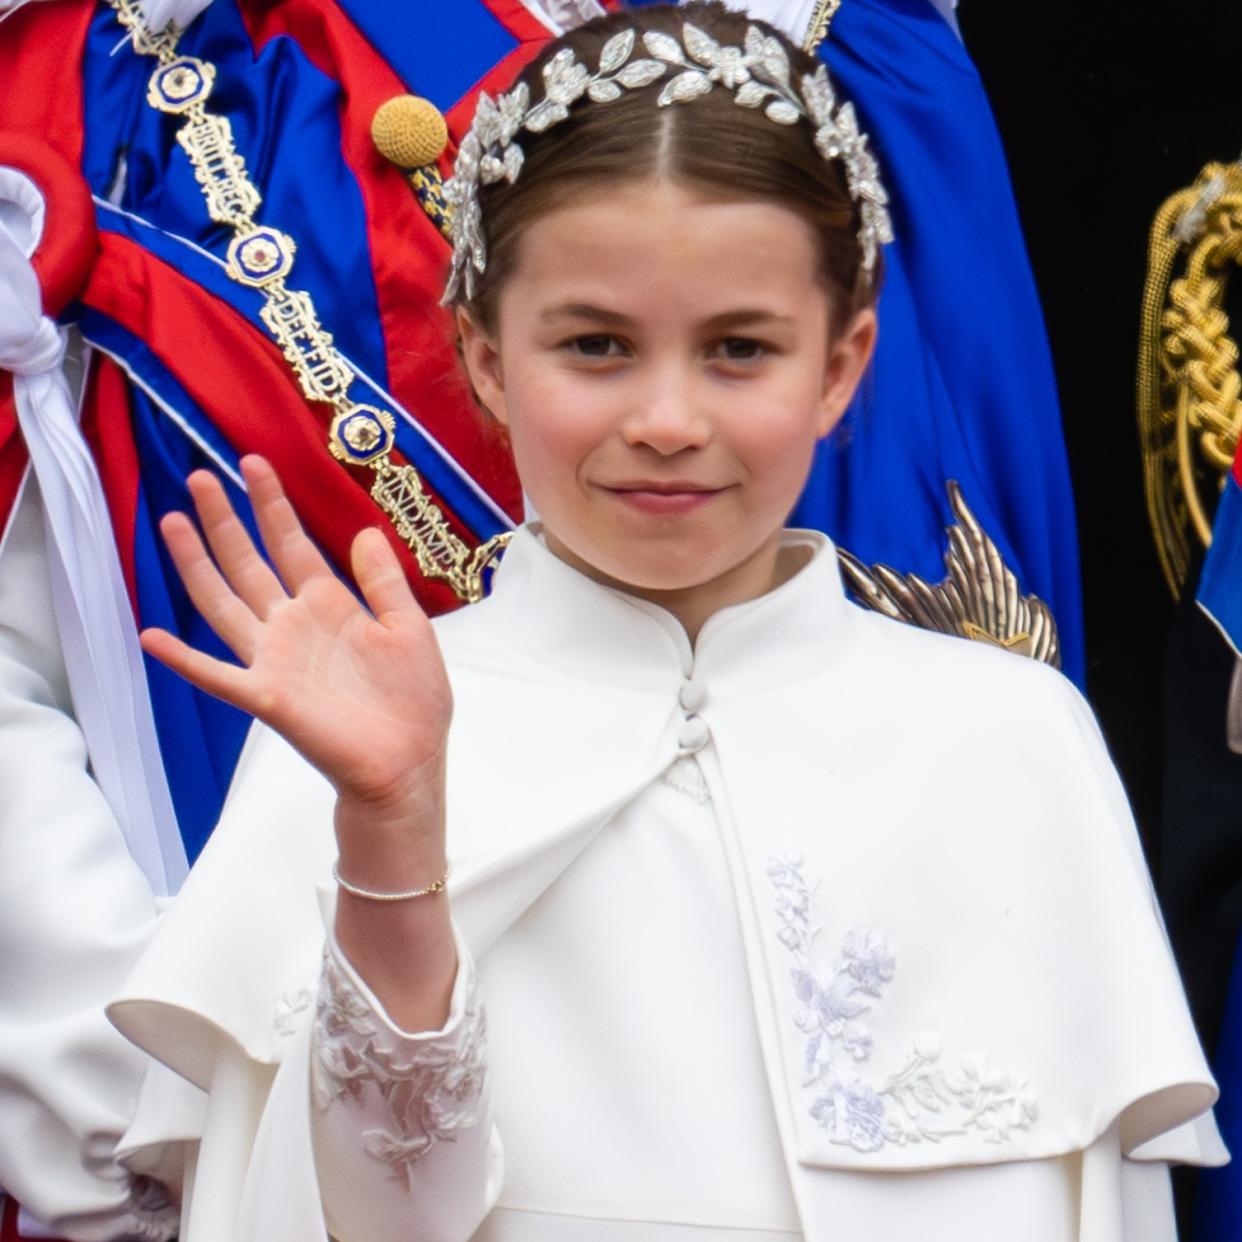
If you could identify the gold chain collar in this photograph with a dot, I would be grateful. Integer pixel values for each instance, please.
(262, 257)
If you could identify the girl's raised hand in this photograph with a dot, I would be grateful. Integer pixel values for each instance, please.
(362, 695)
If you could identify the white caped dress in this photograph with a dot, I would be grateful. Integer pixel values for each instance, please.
(827, 927)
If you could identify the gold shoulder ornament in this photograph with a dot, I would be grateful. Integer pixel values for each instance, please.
(262, 258)
(817, 27)
(1189, 389)
(979, 600)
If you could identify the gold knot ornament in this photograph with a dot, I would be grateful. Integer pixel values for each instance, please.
(1189, 387)
(409, 131)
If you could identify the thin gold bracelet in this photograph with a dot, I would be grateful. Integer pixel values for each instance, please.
(370, 894)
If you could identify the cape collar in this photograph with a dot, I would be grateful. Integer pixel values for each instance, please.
(556, 614)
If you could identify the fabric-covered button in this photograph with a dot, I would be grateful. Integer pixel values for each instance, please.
(693, 695)
(693, 735)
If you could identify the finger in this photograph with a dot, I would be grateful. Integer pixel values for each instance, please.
(224, 681)
(296, 558)
(227, 615)
(246, 572)
(380, 577)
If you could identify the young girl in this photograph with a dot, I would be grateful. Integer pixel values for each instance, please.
(769, 918)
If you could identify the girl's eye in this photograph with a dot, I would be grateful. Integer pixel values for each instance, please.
(597, 345)
(741, 349)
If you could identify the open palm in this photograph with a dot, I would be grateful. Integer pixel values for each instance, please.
(362, 695)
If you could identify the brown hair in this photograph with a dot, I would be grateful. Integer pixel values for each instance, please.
(710, 143)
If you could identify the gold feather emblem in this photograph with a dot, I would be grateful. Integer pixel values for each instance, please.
(979, 600)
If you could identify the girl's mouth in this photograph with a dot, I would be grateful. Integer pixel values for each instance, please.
(664, 498)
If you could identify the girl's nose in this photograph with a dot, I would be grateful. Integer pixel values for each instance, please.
(668, 418)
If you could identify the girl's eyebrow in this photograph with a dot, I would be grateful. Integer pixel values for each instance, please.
(745, 317)
(742, 317)
(585, 310)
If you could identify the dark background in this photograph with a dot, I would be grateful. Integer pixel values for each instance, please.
(1105, 110)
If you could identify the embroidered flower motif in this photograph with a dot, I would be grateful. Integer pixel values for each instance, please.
(431, 1089)
(868, 960)
(920, 1102)
(852, 1113)
(290, 1005)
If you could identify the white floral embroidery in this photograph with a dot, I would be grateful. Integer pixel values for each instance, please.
(685, 776)
(920, 1102)
(431, 1089)
(289, 1006)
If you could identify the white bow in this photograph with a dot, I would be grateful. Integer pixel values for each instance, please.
(96, 625)
(157, 14)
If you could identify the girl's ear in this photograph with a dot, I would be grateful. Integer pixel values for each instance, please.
(849, 354)
(481, 354)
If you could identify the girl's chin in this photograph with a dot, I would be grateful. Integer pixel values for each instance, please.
(657, 573)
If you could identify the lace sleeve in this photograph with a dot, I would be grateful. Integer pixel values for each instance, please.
(412, 1091)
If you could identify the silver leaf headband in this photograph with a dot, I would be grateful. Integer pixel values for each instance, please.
(758, 75)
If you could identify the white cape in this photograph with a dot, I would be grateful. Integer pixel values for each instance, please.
(949, 806)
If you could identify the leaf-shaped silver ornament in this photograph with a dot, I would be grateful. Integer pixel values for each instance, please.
(827, 141)
(466, 168)
(559, 64)
(847, 123)
(866, 174)
(569, 85)
(616, 51)
(729, 67)
(818, 95)
(866, 239)
(684, 87)
(469, 249)
(782, 112)
(513, 106)
(486, 123)
(513, 160)
(775, 63)
(544, 114)
(641, 73)
(663, 47)
(489, 152)
(751, 94)
(700, 45)
(604, 91)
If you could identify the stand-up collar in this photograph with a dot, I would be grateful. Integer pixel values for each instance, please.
(565, 619)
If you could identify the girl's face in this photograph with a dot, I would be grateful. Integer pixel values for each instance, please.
(665, 363)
